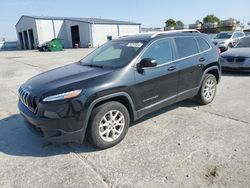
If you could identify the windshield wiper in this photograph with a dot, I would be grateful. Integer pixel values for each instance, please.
(91, 65)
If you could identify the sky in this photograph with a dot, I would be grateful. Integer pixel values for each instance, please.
(151, 13)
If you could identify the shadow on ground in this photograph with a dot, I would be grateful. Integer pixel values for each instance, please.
(17, 140)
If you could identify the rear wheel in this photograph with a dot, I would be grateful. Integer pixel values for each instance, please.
(207, 90)
(109, 124)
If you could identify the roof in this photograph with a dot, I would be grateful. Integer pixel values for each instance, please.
(85, 20)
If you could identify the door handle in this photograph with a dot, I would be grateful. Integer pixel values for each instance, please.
(172, 68)
(202, 59)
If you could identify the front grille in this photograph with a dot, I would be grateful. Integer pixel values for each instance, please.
(27, 99)
(240, 59)
(230, 59)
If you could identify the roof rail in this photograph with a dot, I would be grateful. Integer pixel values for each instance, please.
(176, 31)
(132, 34)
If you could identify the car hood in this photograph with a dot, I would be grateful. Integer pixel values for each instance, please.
(72, 77)
(237, 52)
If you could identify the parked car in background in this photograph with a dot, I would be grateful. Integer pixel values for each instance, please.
(119, 82)
(247, 33)
(53, 45)
(212, 35)
(237, 58)
(227, 39)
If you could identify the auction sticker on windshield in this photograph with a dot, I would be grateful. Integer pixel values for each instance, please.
(135, 45)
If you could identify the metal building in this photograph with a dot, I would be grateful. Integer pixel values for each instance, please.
(35, 30)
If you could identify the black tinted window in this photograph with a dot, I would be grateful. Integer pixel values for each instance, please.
(186, 46)
(203, 44)
(160, 50)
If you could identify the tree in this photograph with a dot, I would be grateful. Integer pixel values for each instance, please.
(198, 22)
(211, 19)
(179, 23)
(170, 23)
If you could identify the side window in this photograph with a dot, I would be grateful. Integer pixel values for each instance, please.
(203, 44)
(235, 35)
(160, 50)
(186, 46)
(241, 34)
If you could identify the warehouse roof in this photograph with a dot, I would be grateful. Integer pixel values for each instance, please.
(86, 20)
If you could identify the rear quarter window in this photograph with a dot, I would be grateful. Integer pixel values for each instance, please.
(186, 46)
(203, 44)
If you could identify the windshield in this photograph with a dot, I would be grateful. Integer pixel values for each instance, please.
(212, 36)
(223, 36)
(113, 54)
(244, 43)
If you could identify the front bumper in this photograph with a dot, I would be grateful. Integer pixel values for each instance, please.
(58, 122)
(223, 47)
(243, 69)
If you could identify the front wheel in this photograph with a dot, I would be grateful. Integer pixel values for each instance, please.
(109, 124)
(230, 46)
(207, 90)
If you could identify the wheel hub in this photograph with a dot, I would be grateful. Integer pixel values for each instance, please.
(111, 125)
(209, 89)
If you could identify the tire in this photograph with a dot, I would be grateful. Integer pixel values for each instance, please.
(104, 131)
(44, 49)
(207, 90)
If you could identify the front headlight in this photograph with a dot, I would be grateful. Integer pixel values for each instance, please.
(62, 96)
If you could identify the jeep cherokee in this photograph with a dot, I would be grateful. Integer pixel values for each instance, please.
(117, 83)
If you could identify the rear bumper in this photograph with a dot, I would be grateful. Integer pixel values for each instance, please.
(64, 128)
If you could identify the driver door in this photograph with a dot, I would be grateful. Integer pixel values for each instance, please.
(157, 86)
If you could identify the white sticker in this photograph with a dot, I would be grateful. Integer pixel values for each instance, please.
(135, 45)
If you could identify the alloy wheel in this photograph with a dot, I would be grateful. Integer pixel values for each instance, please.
(209, 89)
(111, 125)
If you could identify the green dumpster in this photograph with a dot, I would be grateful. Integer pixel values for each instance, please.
(55, 44)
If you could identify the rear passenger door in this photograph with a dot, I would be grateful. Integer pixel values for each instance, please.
(191, 63)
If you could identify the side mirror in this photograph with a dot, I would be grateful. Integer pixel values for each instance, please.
(147, 62)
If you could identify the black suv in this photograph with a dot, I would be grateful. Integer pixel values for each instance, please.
(119, 82)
